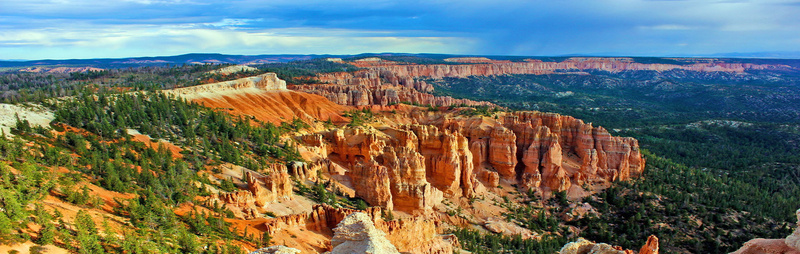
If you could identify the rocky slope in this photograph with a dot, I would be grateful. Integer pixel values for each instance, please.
(263, 97)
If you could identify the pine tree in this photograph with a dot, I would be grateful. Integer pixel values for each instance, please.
(87, 237)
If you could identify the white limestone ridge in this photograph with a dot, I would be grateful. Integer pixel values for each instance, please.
(263, 82)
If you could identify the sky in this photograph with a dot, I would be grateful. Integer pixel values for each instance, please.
(64, 29)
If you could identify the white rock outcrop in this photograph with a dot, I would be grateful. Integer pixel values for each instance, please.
(279, 249)
(357, 234)
(583, 246)
(263, 82)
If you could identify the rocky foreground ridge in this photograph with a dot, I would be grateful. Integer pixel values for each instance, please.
(788, 245)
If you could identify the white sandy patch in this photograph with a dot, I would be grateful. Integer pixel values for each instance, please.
(24, 248)
(35, 114)
(233, 69)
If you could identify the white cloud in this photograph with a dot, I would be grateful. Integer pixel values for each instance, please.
(137, 40)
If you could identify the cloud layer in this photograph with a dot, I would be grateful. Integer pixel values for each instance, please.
(38, 29)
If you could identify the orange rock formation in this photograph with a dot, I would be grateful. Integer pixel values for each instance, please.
(263, 97)
(261, 190)
(413, 167)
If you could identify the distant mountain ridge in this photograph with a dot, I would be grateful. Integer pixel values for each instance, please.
(215, 58)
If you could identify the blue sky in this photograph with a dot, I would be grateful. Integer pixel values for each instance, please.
(60, 29)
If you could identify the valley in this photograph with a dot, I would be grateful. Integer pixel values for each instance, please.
(428, 153)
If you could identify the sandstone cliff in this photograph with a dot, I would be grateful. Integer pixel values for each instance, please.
(545, 150)
(362, 95)
(530, 66)
(262, 189)
(383, 82)
(413, 167)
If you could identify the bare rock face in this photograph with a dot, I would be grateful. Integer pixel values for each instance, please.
(357, 234)
(408, 168)
(545, 151)
(766, 246)
(411, 191)
(261, 191)
(651, 247)
(583, 246)
(275, 186)
(372, 183)
(503, 152)
(500, 226)
(279, 249)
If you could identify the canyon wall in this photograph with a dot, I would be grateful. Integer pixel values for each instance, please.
(413, 167)
(382, 82)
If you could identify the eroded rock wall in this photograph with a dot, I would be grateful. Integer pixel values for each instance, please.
(262, 189)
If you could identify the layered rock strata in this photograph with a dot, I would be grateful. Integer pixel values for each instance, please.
(384, 82)
(262, 189)
(413, 167)
(263, 97)
(266, 81)
(383, 95)
(408, 168)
